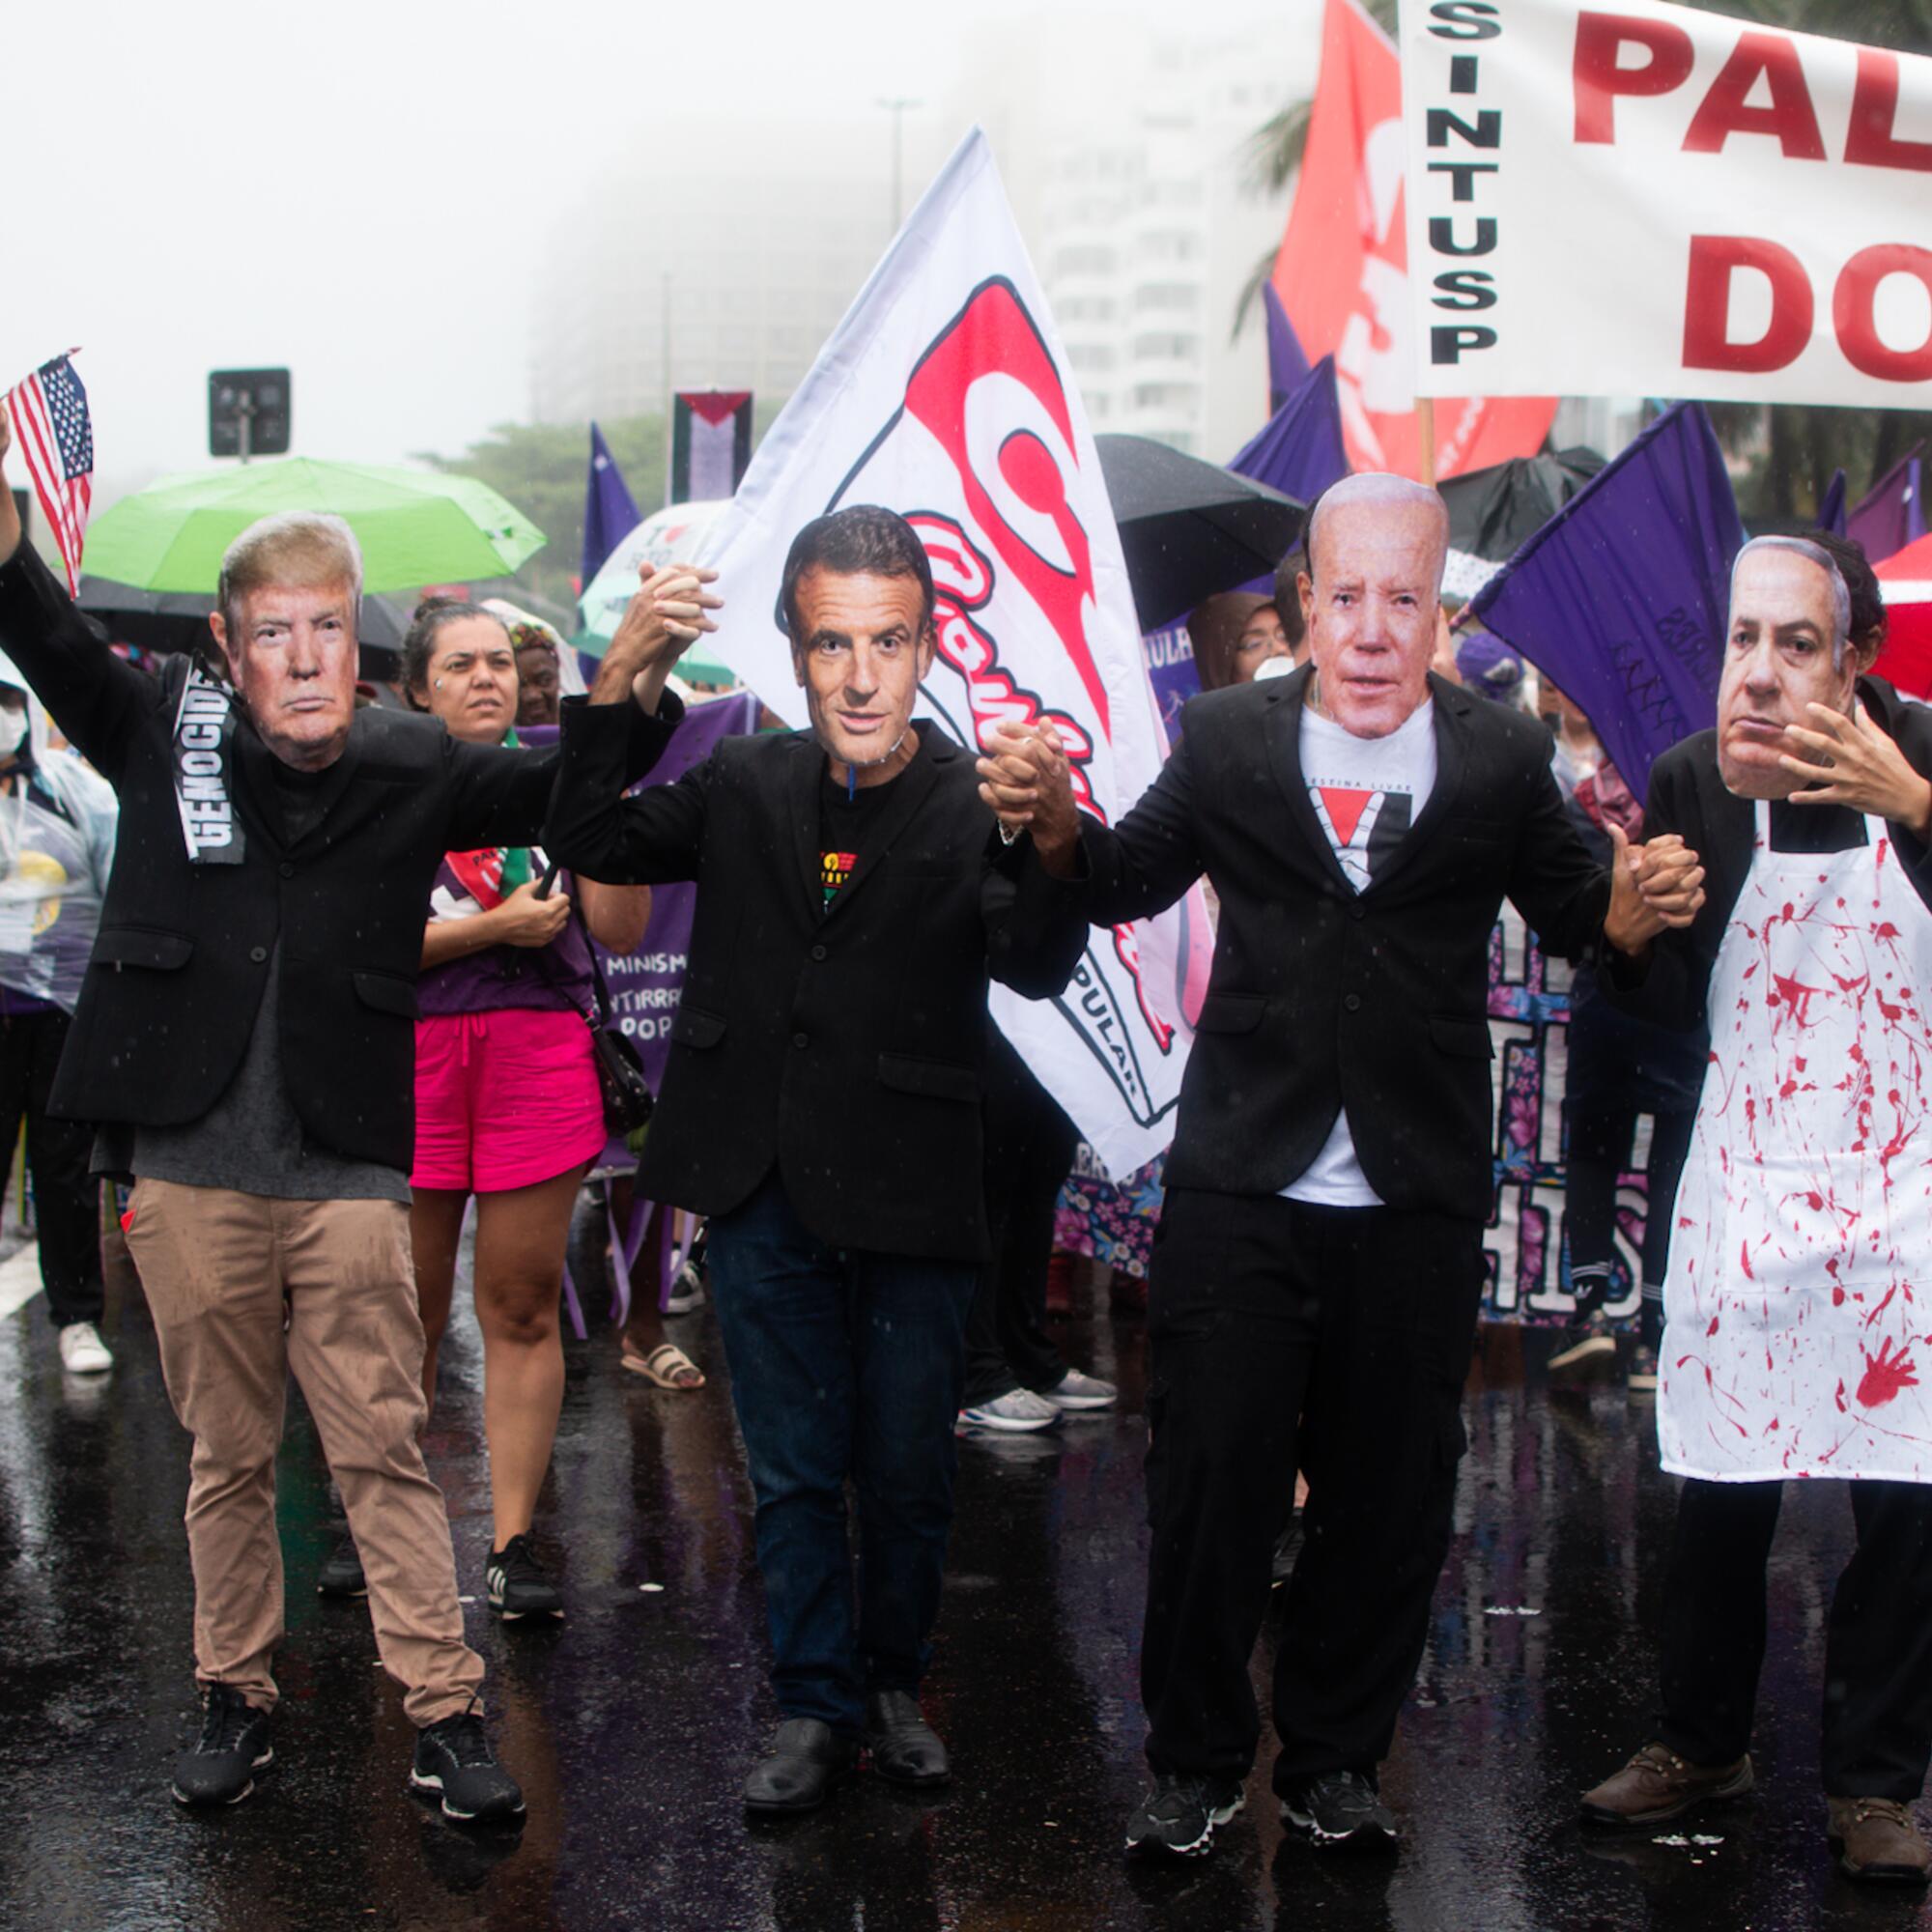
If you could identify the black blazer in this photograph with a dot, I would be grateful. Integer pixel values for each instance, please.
(180, 960)
(843, 1045)
(1321, 998)
(1688, 796)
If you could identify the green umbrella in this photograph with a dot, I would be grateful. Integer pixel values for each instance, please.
(415, 527)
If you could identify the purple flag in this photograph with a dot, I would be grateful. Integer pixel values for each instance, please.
(1892, 512)
(1300, 451)
(1171, 670)
(1287, 364)
(1832, 511)
(608, 514)
(1623, 598)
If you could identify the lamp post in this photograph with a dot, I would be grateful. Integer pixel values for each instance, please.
(896, 105)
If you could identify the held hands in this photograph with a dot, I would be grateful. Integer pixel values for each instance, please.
(666, 617)
(525, 919)
(1857, 765)
(1026, 780)
(1654, 887)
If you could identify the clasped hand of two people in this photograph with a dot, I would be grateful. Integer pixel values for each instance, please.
(1027, 780)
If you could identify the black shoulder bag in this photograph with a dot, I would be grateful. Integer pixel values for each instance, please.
(628, 1099)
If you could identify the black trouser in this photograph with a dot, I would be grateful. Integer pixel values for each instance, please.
(1360, 1322)
(1876, 1732)
(67, 1201)
(1030, 1146)
(1601, 1137)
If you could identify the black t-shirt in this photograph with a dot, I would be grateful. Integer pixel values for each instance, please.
(842, 824)
(300, 796)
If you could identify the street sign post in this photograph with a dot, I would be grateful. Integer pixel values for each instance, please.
(248, 412)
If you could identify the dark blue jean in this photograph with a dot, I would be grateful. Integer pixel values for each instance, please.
(845, 1365)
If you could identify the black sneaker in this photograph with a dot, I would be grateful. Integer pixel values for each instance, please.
(519, 1585)
(1585, 1350)
(687, 1290)
(1339, 1811)
(1179, 1814)
(454, 1761)
(341, 1575)
(220, 1767)
(1642, 1379)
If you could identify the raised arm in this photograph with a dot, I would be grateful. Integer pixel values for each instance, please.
(500, 795)
(97, 700)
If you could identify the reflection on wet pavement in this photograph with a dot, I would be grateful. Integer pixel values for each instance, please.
(632, 1725)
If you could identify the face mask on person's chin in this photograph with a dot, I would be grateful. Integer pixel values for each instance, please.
(13, 731)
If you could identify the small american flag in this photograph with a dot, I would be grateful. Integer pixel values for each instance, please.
(51, 426)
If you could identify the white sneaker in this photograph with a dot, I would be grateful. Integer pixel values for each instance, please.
(686, 1291)
(82, 1351)
(1018, 1412)
(1074, 1390)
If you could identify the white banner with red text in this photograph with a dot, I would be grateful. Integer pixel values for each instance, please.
(945, 394)
(1654, 200)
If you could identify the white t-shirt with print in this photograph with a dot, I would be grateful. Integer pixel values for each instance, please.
(1367, 792)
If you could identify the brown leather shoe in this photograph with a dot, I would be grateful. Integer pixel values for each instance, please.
(1878, 1839)
(1657, 1784)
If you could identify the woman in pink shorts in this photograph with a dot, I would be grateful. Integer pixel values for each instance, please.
(507, 1102)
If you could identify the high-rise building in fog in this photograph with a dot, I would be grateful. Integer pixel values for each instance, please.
(704, 266)
(728, 257)
(1132, 188)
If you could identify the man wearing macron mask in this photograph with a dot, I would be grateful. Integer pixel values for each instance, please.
(821, 1105)
(1795, 1305)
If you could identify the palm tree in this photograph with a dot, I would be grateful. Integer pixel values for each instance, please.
(1791, 449)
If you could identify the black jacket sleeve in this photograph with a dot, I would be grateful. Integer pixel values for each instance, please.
(596, 831)
(1910, 727)
(1671, 982)
(502, 796)
(1035, 924)
(1560, 889)
(97, 700)
(1142, 865)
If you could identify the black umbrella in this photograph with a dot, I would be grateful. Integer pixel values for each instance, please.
(1494, 512)
(1188, 529)
(177, 620)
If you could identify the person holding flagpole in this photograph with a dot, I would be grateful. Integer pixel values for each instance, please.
(821, 1105)
(1318, 1268)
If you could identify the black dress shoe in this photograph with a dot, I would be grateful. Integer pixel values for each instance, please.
(808, 1758)
(905, 1749)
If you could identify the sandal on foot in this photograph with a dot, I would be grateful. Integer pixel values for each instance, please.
(663, 1366)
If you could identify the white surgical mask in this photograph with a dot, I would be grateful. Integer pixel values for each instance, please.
(13, 731)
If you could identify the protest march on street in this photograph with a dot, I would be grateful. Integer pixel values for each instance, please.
(984, 984)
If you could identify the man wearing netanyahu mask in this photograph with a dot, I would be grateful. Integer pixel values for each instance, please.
(1795, 1306)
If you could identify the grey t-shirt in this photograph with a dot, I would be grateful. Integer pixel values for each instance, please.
(251, 1140)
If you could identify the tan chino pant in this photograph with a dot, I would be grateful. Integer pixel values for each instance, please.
(221, 1270)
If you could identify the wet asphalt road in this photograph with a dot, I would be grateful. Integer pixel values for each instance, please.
(631, 1726)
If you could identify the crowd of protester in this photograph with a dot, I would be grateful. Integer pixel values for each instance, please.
(330, 998)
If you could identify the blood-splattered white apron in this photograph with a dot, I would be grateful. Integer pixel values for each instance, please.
(1798, 1337)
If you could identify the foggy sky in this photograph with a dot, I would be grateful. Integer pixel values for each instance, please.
(361, 194)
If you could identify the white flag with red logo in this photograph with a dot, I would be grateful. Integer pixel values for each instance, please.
(945, 395)
(1343, 270)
